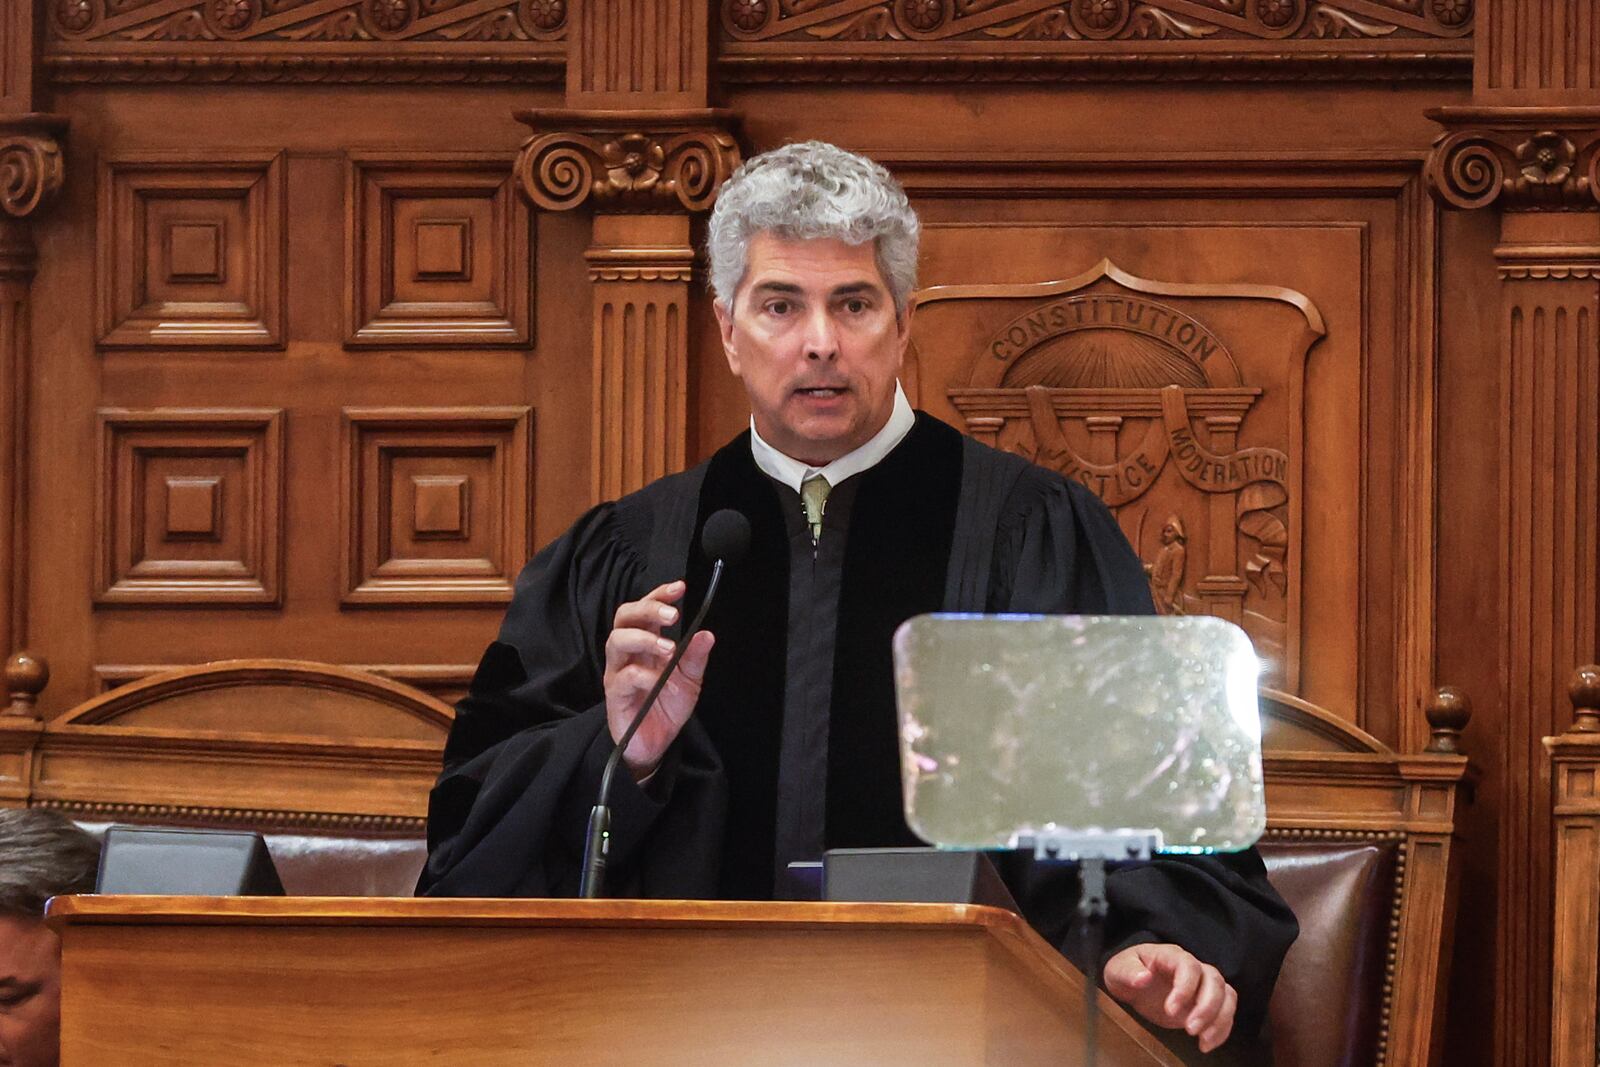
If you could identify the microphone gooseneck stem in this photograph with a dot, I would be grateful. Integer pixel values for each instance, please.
(1092, 909)
(594, 851)
(597, 842)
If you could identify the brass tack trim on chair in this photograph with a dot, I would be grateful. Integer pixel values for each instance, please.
(1391, 952)
(255, 817)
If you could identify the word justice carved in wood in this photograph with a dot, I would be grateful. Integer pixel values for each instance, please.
(1133, 388)
(306, 21)
(978, 21)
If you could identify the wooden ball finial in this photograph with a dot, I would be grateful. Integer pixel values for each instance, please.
(26, 677)
(1448, 714)
(1584, 690)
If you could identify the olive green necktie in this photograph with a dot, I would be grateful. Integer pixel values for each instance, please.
(814, 495)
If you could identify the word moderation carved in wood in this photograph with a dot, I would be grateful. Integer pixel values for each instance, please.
(1119, 383)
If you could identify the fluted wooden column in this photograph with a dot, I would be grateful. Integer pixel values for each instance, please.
(30, 174)
(644, 174)
(641, 267)
(1527, 149)
(639, 147)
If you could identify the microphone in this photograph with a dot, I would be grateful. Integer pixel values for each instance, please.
(724, 539)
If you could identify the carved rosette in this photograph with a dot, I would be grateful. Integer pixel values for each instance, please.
(628, 167)
(1517, 159)
(31, 169)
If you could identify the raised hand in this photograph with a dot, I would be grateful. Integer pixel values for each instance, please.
(635, 655)
(1171, 988)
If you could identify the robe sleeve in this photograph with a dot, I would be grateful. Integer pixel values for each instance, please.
(1061, 551)
(523, 762)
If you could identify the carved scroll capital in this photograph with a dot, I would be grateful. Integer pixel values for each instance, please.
(31, 168)
(1517, 159)
(638, 162)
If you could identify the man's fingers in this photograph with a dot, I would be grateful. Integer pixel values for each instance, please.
(667, 592)
(1207, 1000)
(627, 644)
(1170, 987)
(644, 615)
(1124, 974)
(632, 679)
(1185, 982)
(1222, 1026)
(693, 663)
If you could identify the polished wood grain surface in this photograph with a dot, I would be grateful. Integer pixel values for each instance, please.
(297, 364)
(162, 980)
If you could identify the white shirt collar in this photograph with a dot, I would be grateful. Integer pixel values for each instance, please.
(793, 473)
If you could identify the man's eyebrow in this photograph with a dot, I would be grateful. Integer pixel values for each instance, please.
(853, 288)
(776, 287)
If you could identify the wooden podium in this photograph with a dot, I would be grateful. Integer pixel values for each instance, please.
(367, 982)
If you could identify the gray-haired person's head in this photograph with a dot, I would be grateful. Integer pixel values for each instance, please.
(42, 854)
(807, 191)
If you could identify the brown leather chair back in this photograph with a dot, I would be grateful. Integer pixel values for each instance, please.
(1359, 841)
(1327, 1006)
(318, 865)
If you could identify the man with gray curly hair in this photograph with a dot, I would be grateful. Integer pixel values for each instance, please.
(814, 190)
(42, 854)
(775, 737)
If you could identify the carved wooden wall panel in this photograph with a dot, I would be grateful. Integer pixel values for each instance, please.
(437, 504)
(189, 508)
(438, 252)
(1317, 534)
(191, 251)
(1395, 481)
(1106, 377)
(169, 579)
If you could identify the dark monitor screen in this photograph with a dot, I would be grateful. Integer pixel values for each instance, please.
(140, 859)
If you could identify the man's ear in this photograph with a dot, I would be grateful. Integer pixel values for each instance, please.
(725, 327)
(902, 326)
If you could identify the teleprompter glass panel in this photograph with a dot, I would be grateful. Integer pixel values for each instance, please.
(1013, 727)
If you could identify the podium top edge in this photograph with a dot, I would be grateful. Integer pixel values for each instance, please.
(67, 911)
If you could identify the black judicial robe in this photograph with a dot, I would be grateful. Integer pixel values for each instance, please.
(942, 523)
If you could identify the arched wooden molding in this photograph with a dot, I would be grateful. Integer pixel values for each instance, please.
(1291, 724)
(267, 743)
(269, 697)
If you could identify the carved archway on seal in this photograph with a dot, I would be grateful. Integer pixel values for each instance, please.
(1130, 386)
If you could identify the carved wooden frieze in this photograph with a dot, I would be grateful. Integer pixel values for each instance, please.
(800, 41)
(988, 21)
(305, 40)
(1132, 387)
(299, 22)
